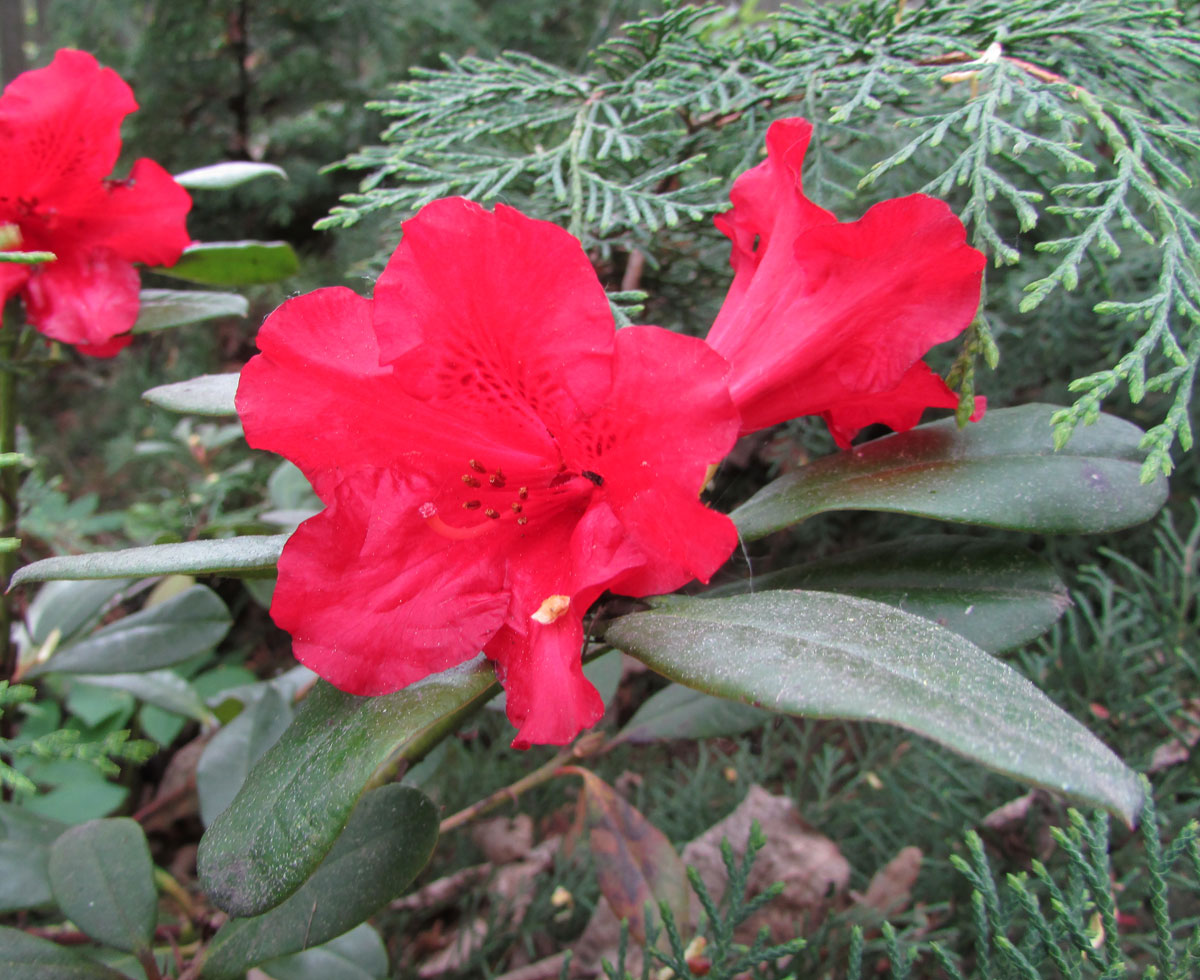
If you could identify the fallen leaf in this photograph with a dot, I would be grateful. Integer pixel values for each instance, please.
(890, 889)
(504, 839)
(636, 865)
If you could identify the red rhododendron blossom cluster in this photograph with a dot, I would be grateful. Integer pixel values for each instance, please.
(492, 455)
(832, 318)
(59, 140)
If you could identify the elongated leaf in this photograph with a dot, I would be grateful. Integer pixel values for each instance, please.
(162, 688)
(300, 794)
(103, 881)
(635, 863)
(387, 840)
(219, 176)
(69, 606)
(26, 957)
(208, 394)
(228, 758)
(679, 712)
(160, 309)
(1000, 472)
(234, 263)
(244, 555)
(838, 656)
(25, 840)
(997, 596)
(190, 623)
(358, 955)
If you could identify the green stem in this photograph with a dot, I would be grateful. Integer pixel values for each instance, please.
(8, 488)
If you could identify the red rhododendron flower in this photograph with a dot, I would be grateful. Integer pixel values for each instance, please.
(59, 139)
(832, 318)
(492, 455)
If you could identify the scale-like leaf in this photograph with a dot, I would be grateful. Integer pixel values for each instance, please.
(103, 881)
(298, 797)
(838, 656)
(388, 839)
(159, 309)
(207, 394)
(244, 555)
(1001, 472)
(996, 595)
(234, 263)
(166, 634)
(220, 176)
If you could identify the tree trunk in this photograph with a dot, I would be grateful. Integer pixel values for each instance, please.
(12, 39)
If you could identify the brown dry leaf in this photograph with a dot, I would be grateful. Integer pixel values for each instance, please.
(175, 798)
(1010, 813)
(809, 865)
(890, 889)
(504, 839)
(1176, 750)
(511, 889)
(635, 863)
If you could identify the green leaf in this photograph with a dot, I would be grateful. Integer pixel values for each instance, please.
(231, 753)
(69, 606)
(103, 881)
(25, 957)
(160, 309)
(163, 688)
(244, 555)
(208, 394)
(838, 656)
(25, 840)
(299, 796)
(679, 712)
(387, 841)
(997, 596)
(1000, 472)
(194, 621)
(219, 176)
(244, 263)
(358, 955)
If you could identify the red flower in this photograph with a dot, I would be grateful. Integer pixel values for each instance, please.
(492, 456)
(59, 139)
(832, 318)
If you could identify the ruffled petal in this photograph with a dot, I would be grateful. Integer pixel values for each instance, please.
(900, 408)
(496, 316)
(375, 600)
(548, 698)
(668, 417)
(60, 128)
(832, 311)
(84, 298)
(141, 218)
(13, 277)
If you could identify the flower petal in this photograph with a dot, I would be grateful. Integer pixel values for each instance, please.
(501, 317)
(899, 408)
(548, 698)
(668, 416)
(373, 599)
(84, 297)
(828, 311)
(140, 218)
(60, 128)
